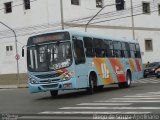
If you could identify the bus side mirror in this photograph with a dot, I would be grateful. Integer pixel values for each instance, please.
(22, 52)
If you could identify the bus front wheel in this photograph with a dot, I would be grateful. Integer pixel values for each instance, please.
(54, 93)
(90, 89)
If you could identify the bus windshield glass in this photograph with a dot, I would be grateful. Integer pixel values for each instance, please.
(49, 57)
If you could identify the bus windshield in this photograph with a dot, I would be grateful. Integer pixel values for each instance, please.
(49, 57)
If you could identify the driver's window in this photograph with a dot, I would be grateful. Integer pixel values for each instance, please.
(79, 51)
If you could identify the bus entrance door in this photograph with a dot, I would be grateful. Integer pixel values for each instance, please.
(80, 60)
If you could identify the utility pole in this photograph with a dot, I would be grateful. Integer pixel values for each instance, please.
(17, 55)
(132, 16)
(62, 19)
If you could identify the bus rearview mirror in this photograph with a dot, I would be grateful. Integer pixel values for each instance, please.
(22, 52)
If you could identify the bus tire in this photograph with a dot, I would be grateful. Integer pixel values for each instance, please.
(90, 89)
(126, 84)
(54, 93)
(101, 87)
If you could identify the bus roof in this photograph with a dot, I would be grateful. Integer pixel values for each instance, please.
(91, 34)
(101, 36)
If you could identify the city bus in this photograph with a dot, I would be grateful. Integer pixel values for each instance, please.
(72, 60)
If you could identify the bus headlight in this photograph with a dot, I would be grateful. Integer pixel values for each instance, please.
(33, 81)
(66, 77)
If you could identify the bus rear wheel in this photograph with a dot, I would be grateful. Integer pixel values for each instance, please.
(126, 84)
(54, 93)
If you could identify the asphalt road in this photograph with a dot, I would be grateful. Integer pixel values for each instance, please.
(142, 98)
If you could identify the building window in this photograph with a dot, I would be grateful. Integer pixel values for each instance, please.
(120, 5)
(99, 3)
(146, 7)
(27, 4)
(8, 7)
(148, 45)
(9, 50)
(75, 2)
(159, 9)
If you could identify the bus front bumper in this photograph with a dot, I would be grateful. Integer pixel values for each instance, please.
(65, 85)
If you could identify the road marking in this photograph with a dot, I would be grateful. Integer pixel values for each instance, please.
(140, 81)
(131, 101)
(147, 81)
(149, 94)
(154, 92)
(111, 108)
(156, 80)
(90, 112)
(105, 104)
(135, 98)
(144, 96)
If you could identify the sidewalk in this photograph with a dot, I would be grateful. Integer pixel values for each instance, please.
(13, 86)
(9, 81)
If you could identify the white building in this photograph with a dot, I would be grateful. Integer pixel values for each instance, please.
(139, 19)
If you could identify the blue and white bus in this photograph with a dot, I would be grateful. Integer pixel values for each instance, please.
(69, 60)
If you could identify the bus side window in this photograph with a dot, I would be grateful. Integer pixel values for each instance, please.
(125, 50)
(79, 51)
(123, 55)
(132, 50)
(88, 44)
(128, 50)
(137, 53)
(117, 49)
(108, 46)
(99, 49)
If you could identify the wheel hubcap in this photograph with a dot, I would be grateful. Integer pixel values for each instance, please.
(129, 81)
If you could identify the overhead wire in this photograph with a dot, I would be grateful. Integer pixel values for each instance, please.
(113, 13)
(137, 12)
(81, 25)
(107, 13)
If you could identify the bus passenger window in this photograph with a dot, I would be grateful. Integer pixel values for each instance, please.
(117, 49)
(125, 50)
(99, 47)
(132, 50)
(88, 44)
(79, 51)
(137, 53)
(128, 50)
(108, 46)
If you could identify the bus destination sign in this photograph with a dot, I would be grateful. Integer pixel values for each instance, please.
(50, 37)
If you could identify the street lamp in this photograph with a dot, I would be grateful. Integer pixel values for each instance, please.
(17, 55)
(98, 13)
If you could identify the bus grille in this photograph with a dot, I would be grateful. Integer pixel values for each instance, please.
(50, 86)
(48, 75)
(49, 81)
